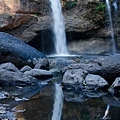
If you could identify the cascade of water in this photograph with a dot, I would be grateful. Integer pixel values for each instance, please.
(58, 103)
(111, 26)
(59, 28)
(115, 5)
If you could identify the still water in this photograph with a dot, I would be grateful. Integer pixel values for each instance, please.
(48, 104)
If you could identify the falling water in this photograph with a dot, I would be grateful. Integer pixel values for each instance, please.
(115, 5)
(58, 103)
(59, 28)
(111, 26)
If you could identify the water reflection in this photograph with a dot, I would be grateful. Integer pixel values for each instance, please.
(78, 105)
(58, 102)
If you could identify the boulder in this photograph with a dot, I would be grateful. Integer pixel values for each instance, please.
(39, 73)
(75, 76)
(95, 81)
(25, 68)
(10, 78)
(80, 78)
(20, 54)
(9, 66)
(111, 68)
(115, 87)
(93, 67)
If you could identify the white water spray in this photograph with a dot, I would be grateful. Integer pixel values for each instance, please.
(58, 103)
(59, 28)
(111, 26)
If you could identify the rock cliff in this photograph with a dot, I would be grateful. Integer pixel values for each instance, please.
(84, 22)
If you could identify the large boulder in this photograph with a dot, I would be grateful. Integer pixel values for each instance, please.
(14, 50)
(111, 67)
(79, 78)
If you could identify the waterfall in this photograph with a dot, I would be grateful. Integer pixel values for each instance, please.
(115, 5)
(58, 28)
(58, 103)
(111, 26)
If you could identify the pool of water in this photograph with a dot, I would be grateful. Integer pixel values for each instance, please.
(41, 103)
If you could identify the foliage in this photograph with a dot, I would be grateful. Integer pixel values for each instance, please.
(96, 13)
(100, 7)
(70, 4)
(119, 20)
(85, 117)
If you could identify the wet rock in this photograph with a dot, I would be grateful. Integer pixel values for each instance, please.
(9, 66)
(41, 63)
(25, 68)
(115, 87)
(55, 72)
(92, 68)
(39, 73)
(76, 76)
(111, 68)
(14, 50)
(10, 78)
(82, 79)
(95, 80)
(3, 94)
(60, 63)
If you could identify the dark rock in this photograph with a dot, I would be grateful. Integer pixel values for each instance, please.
(115, 87)
(14, 50)
(41, 63)
(82, 79)
(111, 100)
(92, 68)
(39, 73)
(60, 63)
(10, 78)
(111, 68)
(81, 96)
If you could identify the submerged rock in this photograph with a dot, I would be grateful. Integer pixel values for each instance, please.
(14, 50)
(81, 96)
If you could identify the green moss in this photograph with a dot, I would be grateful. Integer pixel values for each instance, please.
(70, 4)
(96, 13)
(119, 20)
(100, 7)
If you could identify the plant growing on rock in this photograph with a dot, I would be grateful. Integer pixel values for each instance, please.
(96, 12)
(68, 4)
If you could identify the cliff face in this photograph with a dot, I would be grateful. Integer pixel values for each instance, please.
(84, 22)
